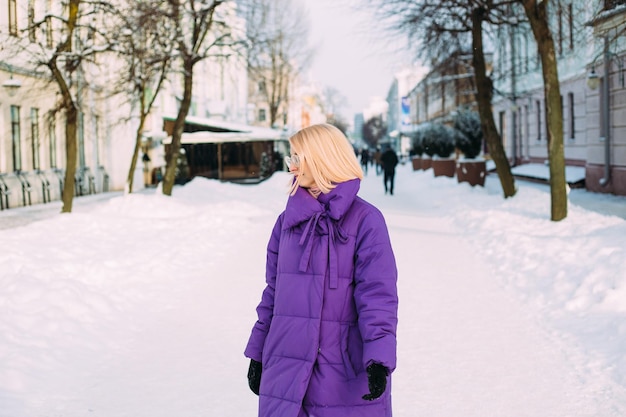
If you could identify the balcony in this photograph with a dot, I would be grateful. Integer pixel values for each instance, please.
(612, 4)
(612, 17)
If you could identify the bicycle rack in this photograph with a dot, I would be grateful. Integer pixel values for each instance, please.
(105, 179)
(59, 175)
(4, 193)
(78, 183)
(91, 186)
(45, 186)
(26, 188)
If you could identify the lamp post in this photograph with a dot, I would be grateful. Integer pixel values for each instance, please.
(593, 81)
(12, 84)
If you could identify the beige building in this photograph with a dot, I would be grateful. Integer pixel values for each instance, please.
(299, 108)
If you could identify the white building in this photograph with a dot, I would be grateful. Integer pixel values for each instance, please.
(32, 134)
(399, 123)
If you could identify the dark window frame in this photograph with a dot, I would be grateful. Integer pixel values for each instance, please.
(35, 139)
(16, 138)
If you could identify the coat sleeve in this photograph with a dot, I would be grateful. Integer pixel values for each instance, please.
(265, 309)
(375, 292)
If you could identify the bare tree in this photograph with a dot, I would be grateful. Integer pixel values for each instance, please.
(537, 13)
(276, 34)
(64, 41)
(199, 30)
(484, 88)
(147, 52)
(439, 29)
(374, 129)
(332, 102)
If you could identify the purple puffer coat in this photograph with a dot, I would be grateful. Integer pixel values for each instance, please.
(329, 308)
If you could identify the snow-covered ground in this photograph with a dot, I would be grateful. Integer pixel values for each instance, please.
(141, 305)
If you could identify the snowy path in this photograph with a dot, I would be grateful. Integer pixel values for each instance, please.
(473, 350)
(122, 325)
(477, 352)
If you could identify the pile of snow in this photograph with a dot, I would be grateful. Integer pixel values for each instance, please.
(142, 304)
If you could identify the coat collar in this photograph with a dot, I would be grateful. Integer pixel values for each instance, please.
(302, 206)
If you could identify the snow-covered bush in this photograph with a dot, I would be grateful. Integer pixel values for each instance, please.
(417, 148)
(437, 139)
(470, 137)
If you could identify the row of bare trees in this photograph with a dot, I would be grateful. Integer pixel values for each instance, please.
(156, 42)
(449, 26)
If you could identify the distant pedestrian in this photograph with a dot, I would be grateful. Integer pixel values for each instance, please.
(365, 159)
(377, 162)
(389, 161)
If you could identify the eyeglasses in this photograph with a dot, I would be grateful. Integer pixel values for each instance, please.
(292, 160)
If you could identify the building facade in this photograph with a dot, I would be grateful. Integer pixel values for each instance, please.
(32, 130)
(591, 53)
(590, 50)
(400, 124)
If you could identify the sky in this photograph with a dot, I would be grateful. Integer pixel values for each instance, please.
(351, 54)
(141, 305)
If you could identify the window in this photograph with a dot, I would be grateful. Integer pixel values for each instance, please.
(53, 140)
(525, 52)
(262, 88)
(559, 19)
(526, 134)
(572, 116)
(48, 25)
(13, 17)
(262, 116)
(34, 133)
(603, 109)
(15, 136)
(538, 107)
(97, 139)
(81, 139)
(611, 4)
(570, 19)
(502, 120)
(545, 115)
(31, 21)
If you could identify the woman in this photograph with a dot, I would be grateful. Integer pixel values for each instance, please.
(324, 344)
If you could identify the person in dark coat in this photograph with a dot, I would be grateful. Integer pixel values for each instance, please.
(379, 167)
(324, 344)
(389, 161)
(365, 159)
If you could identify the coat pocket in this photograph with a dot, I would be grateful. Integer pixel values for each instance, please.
(351, 350)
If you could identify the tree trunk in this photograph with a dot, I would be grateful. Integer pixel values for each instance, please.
(538, 18)
(71, 117)
(133, 162)
(71, 129)
(69, 106)
(179, 125)
(484, 88)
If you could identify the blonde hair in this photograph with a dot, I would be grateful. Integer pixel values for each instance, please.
(326, 155)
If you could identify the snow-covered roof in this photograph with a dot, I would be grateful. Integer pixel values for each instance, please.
(224, 137)
(219, 131)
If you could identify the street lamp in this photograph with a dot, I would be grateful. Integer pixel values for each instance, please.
(12, 85)
(592, 82)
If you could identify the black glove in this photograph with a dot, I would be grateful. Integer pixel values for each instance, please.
(254, 376)
(377, 381)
